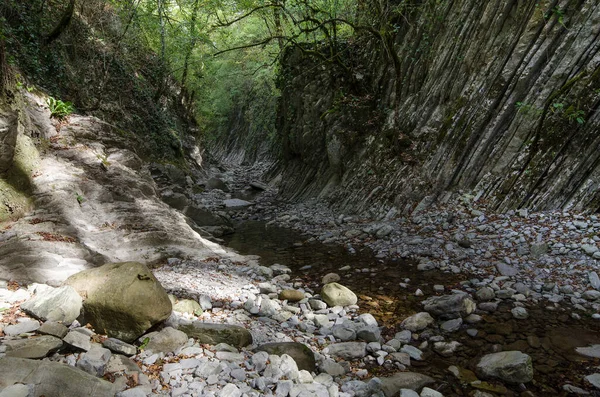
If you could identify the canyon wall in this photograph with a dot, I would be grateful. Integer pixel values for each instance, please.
(497, 98)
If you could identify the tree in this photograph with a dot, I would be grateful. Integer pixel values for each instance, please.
(64, 22)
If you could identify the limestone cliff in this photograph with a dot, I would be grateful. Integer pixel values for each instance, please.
(497, 97)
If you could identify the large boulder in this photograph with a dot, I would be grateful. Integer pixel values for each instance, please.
(304, 357)
(122, 300)
(55, 304)
(53, 379)
(213, 334)
(335, 294)
(509, 366)
(450, 306)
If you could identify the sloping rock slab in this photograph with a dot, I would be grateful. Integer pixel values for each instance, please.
(39, 347)
(53, 379)
(391, 385)
(57, 304)
(304, 357)
(214, 334)
(122, 300)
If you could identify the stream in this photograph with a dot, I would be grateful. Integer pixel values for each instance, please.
(549, 335)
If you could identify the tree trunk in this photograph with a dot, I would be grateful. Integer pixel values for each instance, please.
(62, 25)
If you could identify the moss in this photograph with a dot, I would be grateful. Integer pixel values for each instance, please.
(15, 186)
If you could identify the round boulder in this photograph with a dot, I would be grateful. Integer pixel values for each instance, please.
(335, 294)
(122, 300)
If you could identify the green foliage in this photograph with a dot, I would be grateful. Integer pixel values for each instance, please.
(59, 109)
(570, 113)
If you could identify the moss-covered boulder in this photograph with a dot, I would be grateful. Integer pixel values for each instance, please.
(122, 300)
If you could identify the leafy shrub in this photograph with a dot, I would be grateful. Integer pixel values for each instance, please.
(59, 109)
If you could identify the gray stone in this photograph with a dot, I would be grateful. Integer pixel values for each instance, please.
(589, 249)
(450, 306)
(78, 340)
(369, 334)
(348, 350)
(592, 351)
(520, 313)
(485, 294)
(591, 295)
(506, 270)
(417, 322)
(139, 391)
(330, 278)
(344, 332)
(188, 306)
(413, 352)
(391, 385)
(214, 334)
(451, 325)
(405, 336)
(302, 354)
(205, 217)
(236, 203)
(57, 304)
(594, 379)
(38, 347)
(120, 363)
(594, 280)
(18, 390)
(53, 329)
(402, 358)
(408, 393)
(65, 380)
(123, 300)
(22, 327)
(316, 304)
(427, 392)
(508, 366)
(446, 349)
(94, 361)
(335, 294)
(166, 340)
(120, 347)
(332, 368)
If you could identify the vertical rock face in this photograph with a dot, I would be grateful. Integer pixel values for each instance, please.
(498, 96)
(8, 136)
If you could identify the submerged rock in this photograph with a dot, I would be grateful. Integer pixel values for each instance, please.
(509, 366)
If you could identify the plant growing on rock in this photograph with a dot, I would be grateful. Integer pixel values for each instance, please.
(59, 109)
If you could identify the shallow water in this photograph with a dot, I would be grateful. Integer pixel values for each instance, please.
(548, 336)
